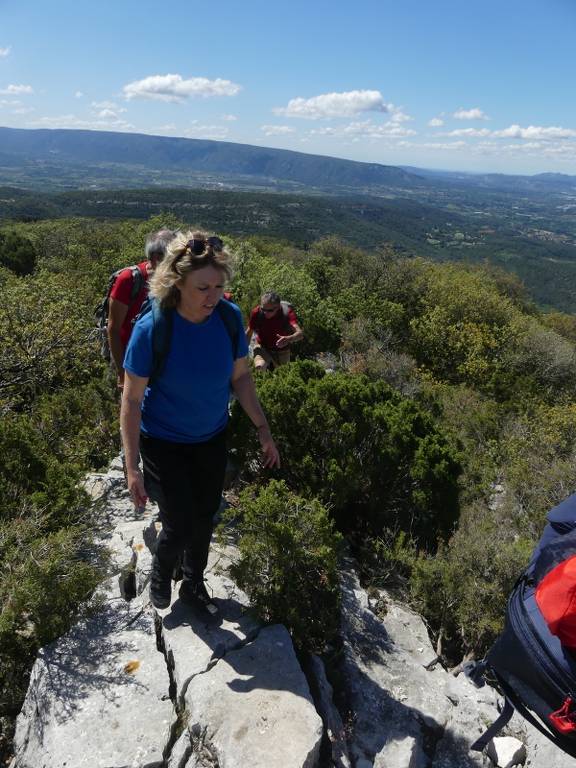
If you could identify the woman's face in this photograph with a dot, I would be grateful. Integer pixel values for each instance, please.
(200, 291)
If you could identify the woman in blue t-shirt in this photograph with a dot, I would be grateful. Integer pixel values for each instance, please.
(177, 421)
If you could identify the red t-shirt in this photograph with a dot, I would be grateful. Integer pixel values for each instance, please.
(268, 328)
(122, 290)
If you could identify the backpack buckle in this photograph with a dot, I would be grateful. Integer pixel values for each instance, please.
(564, 719)
(474, 671)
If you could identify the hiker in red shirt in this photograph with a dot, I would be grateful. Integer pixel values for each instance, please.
(123, 307)
(276, 327)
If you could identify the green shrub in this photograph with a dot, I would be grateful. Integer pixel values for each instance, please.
(32, 479)
(43, 581)
(17, 253)
(462, 590)
(539, 467)
(288, 562)
(374, 456)
(79, 424)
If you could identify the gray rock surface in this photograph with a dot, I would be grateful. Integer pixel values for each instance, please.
(506, 752)
(98, 696)
(193, 643)
(333, 725)
(407, 713)
(131, 687)
(255, 707)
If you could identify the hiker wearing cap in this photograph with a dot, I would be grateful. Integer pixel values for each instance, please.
(276, 327)
(176, 414)
(127, 294)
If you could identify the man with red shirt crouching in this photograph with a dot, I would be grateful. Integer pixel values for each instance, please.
(276, 327)
(125, 301)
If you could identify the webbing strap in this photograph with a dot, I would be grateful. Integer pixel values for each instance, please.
(502, 720)
(513, 702)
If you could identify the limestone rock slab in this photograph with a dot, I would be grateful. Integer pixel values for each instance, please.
(254, 707)
(193, 641)
(98, 696)
(392, 697)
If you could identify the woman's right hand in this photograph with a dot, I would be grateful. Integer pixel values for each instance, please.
(270, 454)
(135, 482)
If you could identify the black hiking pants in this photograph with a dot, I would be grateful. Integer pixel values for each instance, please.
(186, 480)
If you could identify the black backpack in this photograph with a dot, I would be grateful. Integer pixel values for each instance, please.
(101, 311)
(532, 669)
(163, 320)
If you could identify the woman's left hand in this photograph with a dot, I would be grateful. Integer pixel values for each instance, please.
(269, 451)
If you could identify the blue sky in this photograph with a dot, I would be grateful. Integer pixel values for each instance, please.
(449, 84)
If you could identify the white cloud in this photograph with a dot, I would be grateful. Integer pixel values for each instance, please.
(229, 118)
(343, 104)
(436, 122)
(470, 132)
(16, 90)
(198, 131)
(444, 146)
(107, 114)
(72, 121)
(5, 52)
(365, 129)
(535, 132)
(176, 89)
(470, 114)
(108, 105)
(107, 110)
(276, 130)
(78, 95)
(398, 116)
(15, 107)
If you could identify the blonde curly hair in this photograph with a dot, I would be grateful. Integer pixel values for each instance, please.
(181, 258)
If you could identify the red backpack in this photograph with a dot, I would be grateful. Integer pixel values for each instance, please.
(556, 598)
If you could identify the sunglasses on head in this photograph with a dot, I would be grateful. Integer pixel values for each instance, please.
(199, 246)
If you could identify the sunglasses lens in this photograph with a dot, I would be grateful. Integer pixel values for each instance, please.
(215, 243)
(198, 247)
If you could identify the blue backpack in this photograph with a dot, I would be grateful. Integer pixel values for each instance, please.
(535, 673)
(163, 321)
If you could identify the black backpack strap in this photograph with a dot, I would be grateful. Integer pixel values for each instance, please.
(502, 720)
(230, 320)
(286, 307)
(513, 702)
(162, 323)
(137, 282)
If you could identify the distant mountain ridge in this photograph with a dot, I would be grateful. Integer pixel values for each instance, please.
(63, 147)
(545, 182)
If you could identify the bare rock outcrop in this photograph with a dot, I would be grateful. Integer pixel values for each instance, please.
(139, 688)
(131, 687)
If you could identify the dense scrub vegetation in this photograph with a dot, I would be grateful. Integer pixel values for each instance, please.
(430, 419)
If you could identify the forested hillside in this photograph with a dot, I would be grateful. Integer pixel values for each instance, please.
(432, 412)
(532, 236)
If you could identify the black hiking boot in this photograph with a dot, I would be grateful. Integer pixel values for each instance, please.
(194, 593)
(160, 586)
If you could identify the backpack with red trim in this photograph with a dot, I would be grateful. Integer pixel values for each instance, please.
(101, 311)
(533, 661)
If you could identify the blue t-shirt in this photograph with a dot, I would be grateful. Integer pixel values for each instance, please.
(188, 402)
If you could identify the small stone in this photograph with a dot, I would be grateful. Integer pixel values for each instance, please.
(506, 751)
